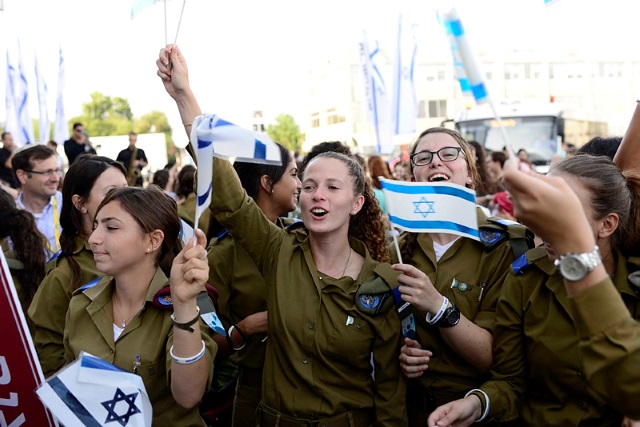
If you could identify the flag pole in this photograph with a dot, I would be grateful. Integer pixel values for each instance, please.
(179, 21)
(166, 38)
(393, 232)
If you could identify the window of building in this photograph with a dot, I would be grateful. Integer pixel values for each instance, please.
(315, 120)
(438, 108)
(422, 110)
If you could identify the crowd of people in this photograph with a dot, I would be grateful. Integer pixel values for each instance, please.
(515, 328)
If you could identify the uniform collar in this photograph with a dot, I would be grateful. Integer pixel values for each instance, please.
(101, 293)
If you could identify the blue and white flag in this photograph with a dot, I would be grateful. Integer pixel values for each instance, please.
(11, 123)
(22, 98)
(43, 122)
(431, 207)
(405, 104)
(138, 5)
(60, 127)
(472, 79)
(377, 97)
(92, 392)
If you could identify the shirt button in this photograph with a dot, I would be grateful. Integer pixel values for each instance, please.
(580, 403)
(579, 372)
(311, 325)
(305, 361)
(359, 325)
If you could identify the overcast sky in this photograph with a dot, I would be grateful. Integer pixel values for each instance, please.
(256, 54)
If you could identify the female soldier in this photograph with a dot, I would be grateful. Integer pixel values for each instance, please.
(322, 338)
(27, 258)
(537, 377)
(89, 178)
(115, 319)
(242, 301)
(450, 278)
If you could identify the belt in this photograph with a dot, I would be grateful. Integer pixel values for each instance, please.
(249, 377)
(268, 417)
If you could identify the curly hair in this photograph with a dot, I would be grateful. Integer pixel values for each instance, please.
(369, 224)
(28, 244)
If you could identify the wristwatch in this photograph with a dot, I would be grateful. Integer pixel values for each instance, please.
(574, 267)
(450, 317)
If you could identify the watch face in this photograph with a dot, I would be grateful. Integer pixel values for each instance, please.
(454, 317)
(572, 268)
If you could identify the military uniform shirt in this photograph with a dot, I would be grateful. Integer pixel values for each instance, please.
(148, 335)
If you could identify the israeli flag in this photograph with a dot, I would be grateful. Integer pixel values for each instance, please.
(92, 392)
(467, 68)
(431, 207)
(43, 122)
(60, 125)
(22, 100)
(405, 104)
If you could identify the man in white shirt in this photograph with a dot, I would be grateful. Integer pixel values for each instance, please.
(37, 172)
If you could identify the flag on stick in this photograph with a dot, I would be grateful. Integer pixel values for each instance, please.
(93, 392)
(11, 123)
(43, 122)
(60, 127)
(431, 207)
(22, 97)
(405, 104)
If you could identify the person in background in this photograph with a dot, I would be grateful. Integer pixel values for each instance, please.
(134, 160)
(496, 166)
(166, 179)
(454, 284)
(36, 170)
(378, 168)
(88, 180)
(7, 178)
(26, 260)
(599, 146)
(323, 344)
(401, 171)
(537, 377)
(187, 199)
(77, 144)
(115, 318)
(486, 185)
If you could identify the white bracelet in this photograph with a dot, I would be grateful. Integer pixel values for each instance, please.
(433, 320)
(486, 407)
(231, 328)
(187, 360)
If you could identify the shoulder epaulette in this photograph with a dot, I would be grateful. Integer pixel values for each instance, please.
(496, 230)
(296, 225)
(88, 285)
(54, 256)
(520, 265)
(221, 235)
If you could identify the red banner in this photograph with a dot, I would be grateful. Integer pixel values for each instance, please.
(20, 372)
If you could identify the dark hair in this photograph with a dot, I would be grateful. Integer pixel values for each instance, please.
(378, 168)
(76, 125)
(163, 216)
(369, 224)
(52, 142)
(28, 244)
(22, 159)
(485, 184)
(250, 173)
(599, 146)
(612, 191)
(323, 147)
(409, 239)
(80, 179)
(186, 179)
(4, 134)
(498, 156)
(161, 178)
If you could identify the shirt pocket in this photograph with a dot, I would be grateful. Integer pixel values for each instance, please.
(351, 340)
(466, 296)
(154, 377)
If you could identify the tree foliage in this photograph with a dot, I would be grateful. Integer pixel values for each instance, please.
(286, 132)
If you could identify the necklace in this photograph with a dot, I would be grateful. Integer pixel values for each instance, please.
(348, 262)
(124, 321)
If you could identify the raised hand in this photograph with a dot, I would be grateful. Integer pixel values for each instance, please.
(189, 272)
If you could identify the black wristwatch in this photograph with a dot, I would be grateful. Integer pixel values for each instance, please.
(450, 317)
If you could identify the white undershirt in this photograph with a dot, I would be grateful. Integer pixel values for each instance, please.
(441, 249)
(117, 331)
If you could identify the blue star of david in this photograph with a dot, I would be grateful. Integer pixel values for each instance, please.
(423, 204)
(110, 406)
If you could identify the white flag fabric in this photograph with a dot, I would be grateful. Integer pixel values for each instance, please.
(138, 5)
(11, 124)
(405, 104)
(60, 127)
(22, 98)
(378, 99)
(431, 207)
(462, 53)
(43, 122)
(93, 392)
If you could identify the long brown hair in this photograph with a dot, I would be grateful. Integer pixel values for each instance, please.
(162, 216)
(378, 168)
(369, 224)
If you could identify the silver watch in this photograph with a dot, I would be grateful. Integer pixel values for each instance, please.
(575, 267)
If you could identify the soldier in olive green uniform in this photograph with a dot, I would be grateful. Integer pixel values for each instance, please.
(187, 212)
(537, 367)
(51, 302)
(142, 348)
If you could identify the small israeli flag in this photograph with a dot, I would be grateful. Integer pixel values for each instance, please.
(431, 207)
(469, 75)
(92, 392)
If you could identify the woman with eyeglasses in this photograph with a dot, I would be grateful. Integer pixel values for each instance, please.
(88, 180)
(452, 283)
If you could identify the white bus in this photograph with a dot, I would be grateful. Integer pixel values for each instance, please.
(539, 128)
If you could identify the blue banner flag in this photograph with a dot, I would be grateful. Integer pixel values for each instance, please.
(60, 126)
(43, 122)
(92, 392)
(431, 207)
(404, 105)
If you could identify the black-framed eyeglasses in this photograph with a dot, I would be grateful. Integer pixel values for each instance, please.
(50, 172)
(446, 154)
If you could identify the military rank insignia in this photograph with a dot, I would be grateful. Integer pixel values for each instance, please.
(461, 286)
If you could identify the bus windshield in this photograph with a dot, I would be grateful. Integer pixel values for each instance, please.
(537, 135)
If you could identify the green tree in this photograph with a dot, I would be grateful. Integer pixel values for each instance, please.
(104, 116)
(286, 132)
(157, 121)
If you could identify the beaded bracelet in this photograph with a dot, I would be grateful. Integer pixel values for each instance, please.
(244, 337)
(187, 360)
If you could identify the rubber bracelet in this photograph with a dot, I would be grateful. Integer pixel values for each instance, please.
(486, 406)
(244, 337)
(186, 326)
(187, 360)
(433, 320)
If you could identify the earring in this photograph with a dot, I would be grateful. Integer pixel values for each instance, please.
(83, 210)
(149, 249)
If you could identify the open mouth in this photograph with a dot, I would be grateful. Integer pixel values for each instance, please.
(318, 212)
(438, 177)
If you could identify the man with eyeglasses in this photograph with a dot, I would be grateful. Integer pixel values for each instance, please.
(36, 169)
(77, 144)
